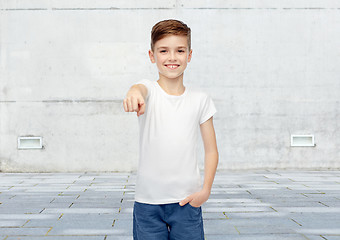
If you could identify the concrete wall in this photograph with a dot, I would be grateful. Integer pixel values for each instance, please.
(271, 67)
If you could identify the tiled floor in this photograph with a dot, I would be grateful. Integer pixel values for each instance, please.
(265, 205)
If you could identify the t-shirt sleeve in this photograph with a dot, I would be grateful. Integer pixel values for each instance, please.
(208, 109)
(148, 84)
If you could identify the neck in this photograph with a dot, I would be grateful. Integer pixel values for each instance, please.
(172, 86)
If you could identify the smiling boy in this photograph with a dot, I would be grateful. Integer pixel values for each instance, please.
(169, 193)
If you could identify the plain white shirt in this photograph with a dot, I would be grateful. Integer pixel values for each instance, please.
(168, 171)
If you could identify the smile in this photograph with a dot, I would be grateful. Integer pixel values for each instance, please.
(172, 66)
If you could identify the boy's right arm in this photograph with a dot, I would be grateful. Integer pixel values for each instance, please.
(134, 101)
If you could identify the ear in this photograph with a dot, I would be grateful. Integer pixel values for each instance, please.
(190, 55)
(152, 57)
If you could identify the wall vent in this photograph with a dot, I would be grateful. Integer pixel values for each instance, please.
(29, 142)
(302, 141)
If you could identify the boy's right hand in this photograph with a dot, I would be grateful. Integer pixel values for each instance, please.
(134, 101)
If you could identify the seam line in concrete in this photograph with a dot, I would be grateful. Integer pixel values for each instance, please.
(273, 208)
(224, 213)
(323, 204)
(172, 8)
(48, 231)
(296, 222)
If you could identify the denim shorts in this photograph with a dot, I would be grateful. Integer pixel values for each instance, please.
(167, 222)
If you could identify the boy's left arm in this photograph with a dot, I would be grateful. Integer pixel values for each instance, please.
(210, 160)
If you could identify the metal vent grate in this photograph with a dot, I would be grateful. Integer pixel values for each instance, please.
(29, 142)
(302, 141)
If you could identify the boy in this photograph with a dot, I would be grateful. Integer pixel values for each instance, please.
(169, 194)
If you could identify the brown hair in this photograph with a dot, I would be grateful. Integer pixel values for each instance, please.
(170, 27)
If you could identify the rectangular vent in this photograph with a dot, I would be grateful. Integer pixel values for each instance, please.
(302, 141)
(29, 142)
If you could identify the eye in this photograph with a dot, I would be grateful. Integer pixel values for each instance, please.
(163, 51)
(181, 51)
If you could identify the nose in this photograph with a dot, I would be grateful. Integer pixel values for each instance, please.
(172, 56)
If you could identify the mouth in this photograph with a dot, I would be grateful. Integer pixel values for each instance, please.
(172, 66)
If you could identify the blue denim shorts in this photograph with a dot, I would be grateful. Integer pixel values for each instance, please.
(167, 222)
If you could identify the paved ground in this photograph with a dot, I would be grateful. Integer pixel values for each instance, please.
(265, 205)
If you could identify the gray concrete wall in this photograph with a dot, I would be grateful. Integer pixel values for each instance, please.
(271, 67)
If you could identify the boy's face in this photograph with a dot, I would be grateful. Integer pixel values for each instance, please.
(171, 54)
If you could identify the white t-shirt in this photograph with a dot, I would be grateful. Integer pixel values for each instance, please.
(168, 171)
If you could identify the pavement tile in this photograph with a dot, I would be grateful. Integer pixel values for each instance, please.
(119, 238)
(96, 205)
(74, 231)
(208, 216)
(40, 223)
(262, 229)
(80, 210)
(11, 216)
(237, 209)
(329, 237)
(24, 231)
(259, 237)
(320, 231)
(11, 223)
(268, 221)
(123, 216)
(13, 209)
(223, 227)
(322, 209)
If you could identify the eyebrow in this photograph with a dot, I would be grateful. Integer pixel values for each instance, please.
(168, 47)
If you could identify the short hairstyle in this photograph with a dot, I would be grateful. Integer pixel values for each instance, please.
(169, 27)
